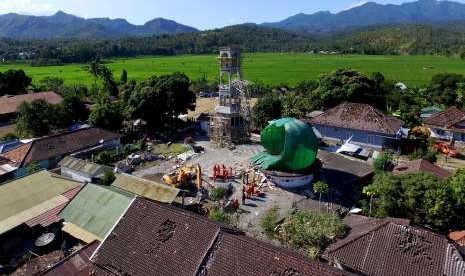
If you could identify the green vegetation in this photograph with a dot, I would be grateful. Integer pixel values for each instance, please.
(217, 194)
(108, 178)
(313, 231)
(321, 188)
(217, 215)
(268, 222)
(33, 167)
(383, 162)
(420, 197)
(266, 68)
(169, 149)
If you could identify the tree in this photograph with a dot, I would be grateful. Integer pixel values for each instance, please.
(313, 231)
(35, 119)
(322, 188)
(106, 114)
(51, 84)
(443, 89)
(124, 77)
(94, 69)
(108, 81)
(73, 109)
(266, 109)
(383, 162)
(14, 82)
(420, 197)
(108, 178)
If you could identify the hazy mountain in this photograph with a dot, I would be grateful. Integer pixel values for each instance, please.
(371, 13)
(63, 25)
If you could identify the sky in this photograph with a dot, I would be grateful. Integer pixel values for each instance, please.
(202, 14)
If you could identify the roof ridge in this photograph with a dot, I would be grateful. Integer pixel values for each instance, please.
(350, 241)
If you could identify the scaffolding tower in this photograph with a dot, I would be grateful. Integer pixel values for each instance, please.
(231, 118)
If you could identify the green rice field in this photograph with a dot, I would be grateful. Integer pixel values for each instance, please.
(268, 68)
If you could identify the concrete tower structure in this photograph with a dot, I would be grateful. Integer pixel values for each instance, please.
(230, 122)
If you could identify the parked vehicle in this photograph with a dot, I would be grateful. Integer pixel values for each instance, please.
(446, 149)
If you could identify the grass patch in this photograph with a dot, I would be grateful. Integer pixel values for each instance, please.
(217, 215)
(268, 222)
(270, 68)
(173, 149)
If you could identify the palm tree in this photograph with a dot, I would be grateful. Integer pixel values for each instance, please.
(321, 188)
(94, 68)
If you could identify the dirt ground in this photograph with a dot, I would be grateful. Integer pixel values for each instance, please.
(207, 105)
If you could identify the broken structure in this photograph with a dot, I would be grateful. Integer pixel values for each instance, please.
(231, 117)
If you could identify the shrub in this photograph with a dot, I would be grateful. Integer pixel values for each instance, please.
(103, 157)
(268, 222)
(383, 162)
(108, 178)
(33, 167)
(217, 194)
(217, 215)
(313, 231)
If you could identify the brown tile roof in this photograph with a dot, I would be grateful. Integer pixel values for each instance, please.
(242, 256)
(360, 117)
(458, 237)
(446, 119)
(421, 165)
(10, 105)
(59, 144)
(384, 247)
(77, 264)
(155, 239)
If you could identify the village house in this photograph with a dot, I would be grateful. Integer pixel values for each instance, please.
(363, 124)
(81, 170)
(447, 125)
(421, 165)
(155, 239)
(48, 151)
(9, 105)
(94, 211)
(29, 206)
(378, 247)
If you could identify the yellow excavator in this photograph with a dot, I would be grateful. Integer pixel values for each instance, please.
(184, 176)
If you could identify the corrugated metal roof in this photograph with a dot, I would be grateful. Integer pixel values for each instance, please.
(96, 209)
(80, 165)
(146, 188)
(79, 233)
(51, 216)
(25, 198)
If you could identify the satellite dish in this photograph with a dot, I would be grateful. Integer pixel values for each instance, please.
(45, 239)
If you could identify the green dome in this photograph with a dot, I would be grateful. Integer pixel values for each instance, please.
(291, 146)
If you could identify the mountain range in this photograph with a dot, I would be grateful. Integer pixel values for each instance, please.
(67, 26)
(370, 14)
(63, 25)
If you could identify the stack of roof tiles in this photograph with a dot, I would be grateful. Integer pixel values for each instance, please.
(389, 247)
(359, 116)
(152, 239)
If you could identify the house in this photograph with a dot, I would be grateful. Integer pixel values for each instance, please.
(393, 247)
(30, 204)
(155, 239)
(366, 125)
(447, 125)
(94, 211)
(49, 150)
(81, 170)
(145, 188)
(421, 165)
(9, 105)
(429, 111)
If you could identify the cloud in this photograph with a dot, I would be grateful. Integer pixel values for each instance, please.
(31, 7)
(355, 5)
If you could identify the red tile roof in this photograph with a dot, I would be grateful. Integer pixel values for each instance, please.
(383, 247)
(154, 239)
(51, 216)
(458, 237)
(11, 104)
(358, 116)
(446, 119)
(242, 256)
(421, 165)
(60, 144)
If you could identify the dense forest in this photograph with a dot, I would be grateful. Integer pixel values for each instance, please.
(441, 39)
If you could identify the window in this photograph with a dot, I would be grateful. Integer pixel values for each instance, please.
(462, 136)
(370, 139)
